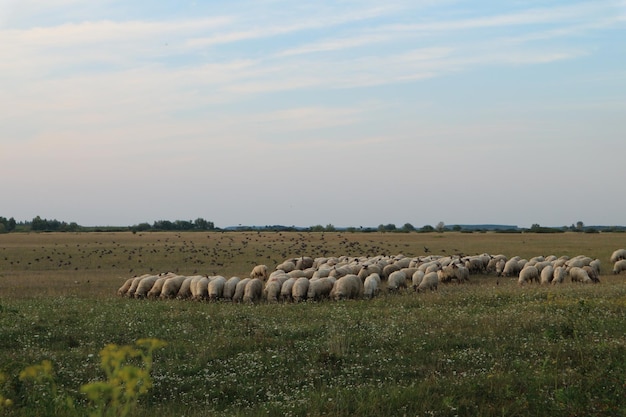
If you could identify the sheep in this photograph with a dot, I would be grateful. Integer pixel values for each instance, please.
(253, 291)
(347, 287)
(156, 289)
(145, 285)
(229, 288)
(596, 265)
(239, 290)
(135, 284)
(417, 278)
(320, 288)
(429, 282)
(559, 275)
(396, 280)
(286, 290)
(619, 266)
(368, 269)
(618, 255)
(578, 274)
(286, 266)
(304, 262)
(388, 270)
(527, 274)
(371, 285)
(595, 277)
(300, 289)
(216, 287)
(340, 271)
(185, 289)
(511, 267)
(259, 271)
(124, 288)
(547, 273)
(172, 286)
(271, 292)
(200, 287)
(500, 264)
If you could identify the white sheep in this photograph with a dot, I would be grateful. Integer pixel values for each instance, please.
(512, 267)
(618, 255)
(239, 290)
(123, 290)
(216, 287)
(320, 288)
(145, 285)
(417, 278)
(229, 288)
(271, 292)
(286, 289)
(578, 274)
(259, 271)
(396, 280)
(371, 285)
(619, 266)
(347, 287)
(527, 274)
(429, 282)
(171, 286)
(156, 289)
(304, 262)
(134, 284)
(560, 272)
(286, 266)
(368, 269)
(547, 274)
(253, 291)
(184, 290)
(300, 289)
(201, 291)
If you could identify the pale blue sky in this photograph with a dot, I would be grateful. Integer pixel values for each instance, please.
(354, 113)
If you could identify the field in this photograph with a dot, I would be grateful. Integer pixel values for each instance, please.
(488, 348)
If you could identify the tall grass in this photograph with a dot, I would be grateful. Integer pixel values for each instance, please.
(487, 348)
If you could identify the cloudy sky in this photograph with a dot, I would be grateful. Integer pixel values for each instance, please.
(351, 113)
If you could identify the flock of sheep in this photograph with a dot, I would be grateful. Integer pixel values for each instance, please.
(336, 278)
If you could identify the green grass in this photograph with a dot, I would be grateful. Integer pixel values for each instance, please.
(488, 348)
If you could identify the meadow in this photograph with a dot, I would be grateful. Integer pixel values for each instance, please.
(488, 348)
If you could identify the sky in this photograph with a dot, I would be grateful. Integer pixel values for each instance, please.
(350, 113)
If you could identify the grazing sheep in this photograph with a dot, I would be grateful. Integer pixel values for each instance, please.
(595, 277)
(156, 289)
(286, 266)
(596, 265)
(367, 269)
(320, 288)
(184, 291)
(527, 274)
(259, 271)
(202, 288)
(340, 271)
(216, 287)
(388, 270)
(429, 282)
(304, 262)
(145, 285)
(253, 291)
(172, 286)
(618, 255)
(271, 292)
(135, 284)
(239, 290)
(500, 264)
(619, 266)
(124, 288)
(347, 287)
(229, 288)
(547, 273)
(560, 272)
(286, 290)
(371, 285)
(417, 278)
(512, 267)
(578, 274)
(300, 289)
(396, 280)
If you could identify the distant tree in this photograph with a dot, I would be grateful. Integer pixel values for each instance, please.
(579, 225)
(317, 228)
(163, 225)
(440, 227)
(3, 229)
(202, 224)
(457, 228)
(330, 228)
(387, 227)
(427, 228)
(408, 227)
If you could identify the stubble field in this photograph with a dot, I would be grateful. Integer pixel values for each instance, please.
(485, 348)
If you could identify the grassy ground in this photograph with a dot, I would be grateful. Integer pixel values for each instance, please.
(487, 348)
